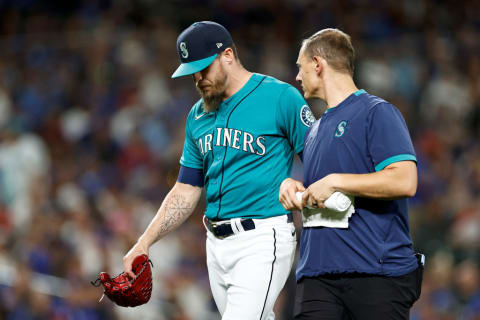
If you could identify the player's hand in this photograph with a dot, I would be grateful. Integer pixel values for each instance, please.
(287, 194)
(138, 249)
(319, 191)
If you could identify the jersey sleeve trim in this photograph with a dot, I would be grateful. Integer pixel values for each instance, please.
(397, 158)
(191, 176)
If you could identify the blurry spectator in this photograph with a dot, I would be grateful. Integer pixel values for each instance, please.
(24, 159)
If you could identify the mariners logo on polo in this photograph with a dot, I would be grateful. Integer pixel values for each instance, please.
(251, 136)
(340, 142)
(340, 128)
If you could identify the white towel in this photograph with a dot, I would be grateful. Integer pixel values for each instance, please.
(339, 208)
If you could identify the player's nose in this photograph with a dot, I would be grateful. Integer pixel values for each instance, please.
(197, 76)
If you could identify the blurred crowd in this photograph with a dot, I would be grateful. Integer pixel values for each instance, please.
(92, 129)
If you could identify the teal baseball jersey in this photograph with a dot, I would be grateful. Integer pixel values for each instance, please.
(246, 147)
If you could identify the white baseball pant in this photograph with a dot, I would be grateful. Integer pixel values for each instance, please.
(248, 269)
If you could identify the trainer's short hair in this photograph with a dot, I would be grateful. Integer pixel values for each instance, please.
(333, 45)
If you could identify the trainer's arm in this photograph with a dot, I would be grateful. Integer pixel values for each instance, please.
(177, 206)
(397, 180)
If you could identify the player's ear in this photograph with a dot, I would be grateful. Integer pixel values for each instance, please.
(228, 55)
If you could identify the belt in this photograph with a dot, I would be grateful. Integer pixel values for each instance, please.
(223, 230)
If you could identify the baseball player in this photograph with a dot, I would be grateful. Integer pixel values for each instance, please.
(240, 139)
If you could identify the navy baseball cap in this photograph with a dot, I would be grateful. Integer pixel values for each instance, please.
(199, 45)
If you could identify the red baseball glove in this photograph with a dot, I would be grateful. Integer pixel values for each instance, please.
(127, 292)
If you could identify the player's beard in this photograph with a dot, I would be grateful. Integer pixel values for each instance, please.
(216, 92)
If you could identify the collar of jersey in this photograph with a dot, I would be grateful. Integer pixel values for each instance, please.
(247, 87)
(346, 102)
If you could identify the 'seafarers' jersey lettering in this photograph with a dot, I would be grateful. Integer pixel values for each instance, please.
(246, 147)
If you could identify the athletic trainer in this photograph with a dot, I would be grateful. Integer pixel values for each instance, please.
(361, 147)
(240, 140)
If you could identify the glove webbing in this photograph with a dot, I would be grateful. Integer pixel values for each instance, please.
(97, 282)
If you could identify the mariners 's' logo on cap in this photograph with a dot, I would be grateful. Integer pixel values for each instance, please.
(183, 48)
(307, 116)
(340, 128)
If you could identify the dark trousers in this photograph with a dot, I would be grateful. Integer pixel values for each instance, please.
(357, 296)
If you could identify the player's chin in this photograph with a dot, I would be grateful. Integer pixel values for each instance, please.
(208, 93)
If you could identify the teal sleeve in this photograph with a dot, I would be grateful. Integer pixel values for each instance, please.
(294, 117)
(191, 156)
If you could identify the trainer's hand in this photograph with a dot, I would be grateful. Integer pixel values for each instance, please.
(287, 194)
(319, 191)
(138, 249)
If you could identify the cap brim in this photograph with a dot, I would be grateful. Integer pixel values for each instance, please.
(194, 66)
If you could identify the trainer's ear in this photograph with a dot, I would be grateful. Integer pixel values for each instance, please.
(319, 64)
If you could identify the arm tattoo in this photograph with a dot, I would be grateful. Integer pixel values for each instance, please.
(177, 210)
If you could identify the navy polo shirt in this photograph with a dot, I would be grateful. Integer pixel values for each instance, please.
(362, 134)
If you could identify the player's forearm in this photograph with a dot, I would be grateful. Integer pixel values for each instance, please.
(175, 209)
(395, 181)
